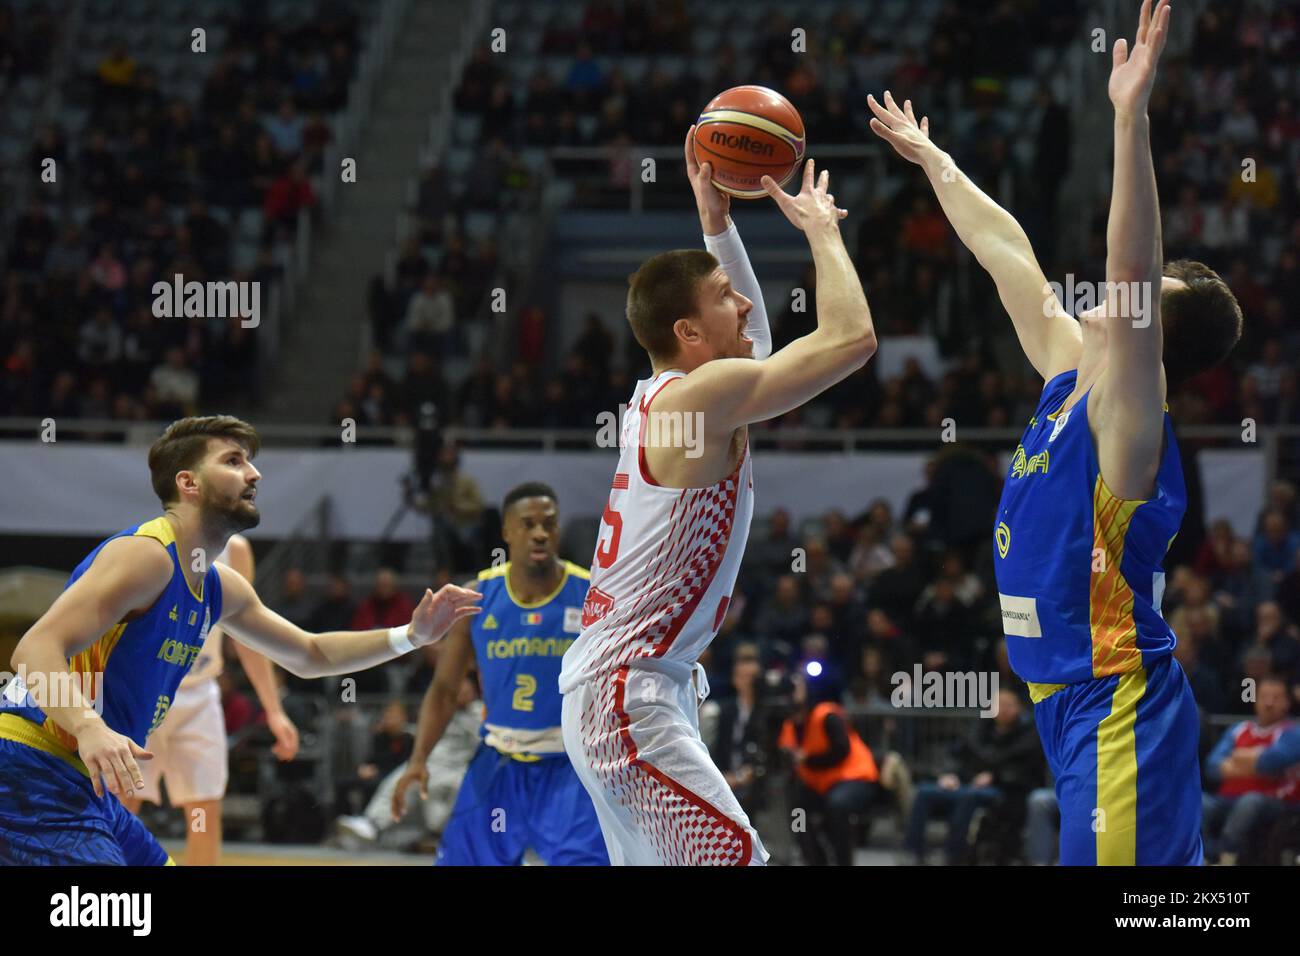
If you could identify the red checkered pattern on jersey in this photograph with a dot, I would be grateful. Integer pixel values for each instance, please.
(684, 828)
(679, 574)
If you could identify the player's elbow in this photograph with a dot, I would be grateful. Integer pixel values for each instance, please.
(308, 663)
(861, 344)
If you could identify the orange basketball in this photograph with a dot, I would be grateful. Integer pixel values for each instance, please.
(748, 132)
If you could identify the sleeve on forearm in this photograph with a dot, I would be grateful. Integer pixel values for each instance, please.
(1282, 755)
(727, 248)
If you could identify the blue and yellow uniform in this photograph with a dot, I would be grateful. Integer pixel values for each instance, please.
(520, 789)
(1080, 583)
(49, 813)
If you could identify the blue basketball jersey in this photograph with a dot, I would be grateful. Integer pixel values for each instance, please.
(133, 669)
(520, 648)
(1079, 570)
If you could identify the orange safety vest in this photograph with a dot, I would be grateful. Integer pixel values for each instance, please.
(858, 765)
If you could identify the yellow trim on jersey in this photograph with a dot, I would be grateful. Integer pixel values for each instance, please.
(170, 861)
(23, 731)
(1040, 692)
(496, 572)
(544, 601)
(161, 530)
(579, 572)
(1117, 772)
(1110, 597)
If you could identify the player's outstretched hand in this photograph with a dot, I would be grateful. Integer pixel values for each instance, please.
(412, 774)
(899, 128)
(112, 756)
(438, 612)
(1132, 73)
(712, 202)
(813, 209)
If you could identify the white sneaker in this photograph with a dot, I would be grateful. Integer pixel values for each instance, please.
(361, 827)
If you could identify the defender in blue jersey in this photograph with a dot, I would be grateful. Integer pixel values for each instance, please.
(99, 670)
(1095, 494)
(520, 790)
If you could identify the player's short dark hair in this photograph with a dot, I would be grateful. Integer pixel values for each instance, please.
(185, 442)
(663, 290)
(1201, 323)
(529, 489)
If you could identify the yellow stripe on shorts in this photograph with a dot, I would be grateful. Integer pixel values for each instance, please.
(1117, 771)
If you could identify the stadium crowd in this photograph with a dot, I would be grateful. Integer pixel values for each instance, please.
(157, 184)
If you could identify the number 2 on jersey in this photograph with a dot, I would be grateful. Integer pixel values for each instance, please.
(526, 687)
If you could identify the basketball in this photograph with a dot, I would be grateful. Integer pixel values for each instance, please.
(746, 133)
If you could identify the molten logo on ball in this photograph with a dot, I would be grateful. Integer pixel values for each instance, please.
(744, 143)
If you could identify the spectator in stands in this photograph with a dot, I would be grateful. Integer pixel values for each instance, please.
(1276, 545)
(782, 620)
(390, 748)
(1000, 764)
(1273, 651)
(457, 504)
(285, 129)
(431, 316)
(445, 768)
(899, 586)
(335, 612)
(290, 193)
(1196, 629)
(1246, 800)
(100, 341)
(176, 385)
(294, 604)
(423, 384)
(386, 605)
(1242, 587)
(238, 707)
(836, 773)
(740, 746)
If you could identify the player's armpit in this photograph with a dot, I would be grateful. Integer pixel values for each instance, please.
(126, 577)
(1128, 428)
(729, 393)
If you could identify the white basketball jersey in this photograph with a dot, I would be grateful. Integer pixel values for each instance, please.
(665, 563)
(208, 665)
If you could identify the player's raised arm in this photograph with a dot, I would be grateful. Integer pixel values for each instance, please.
(127, 576)
(1131, 395)
(722, 240)
(336, 652)
(1050, 338)
(436, 710)
(735, 392)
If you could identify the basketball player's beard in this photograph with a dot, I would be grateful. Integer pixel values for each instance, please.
(221, 519)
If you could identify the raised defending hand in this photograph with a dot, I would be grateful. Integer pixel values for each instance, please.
(712, 202)
(899, 128)
(1132, 73)
(438, 612)
(813, 209)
